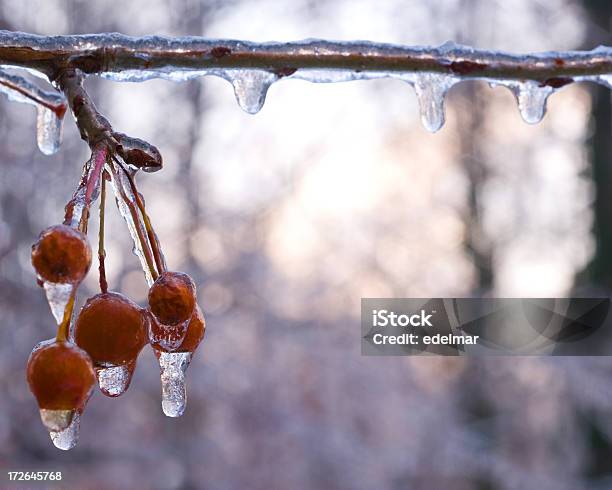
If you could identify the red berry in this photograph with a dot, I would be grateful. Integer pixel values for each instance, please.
(112, 329)
(172, 298)
(195, 332)
(186, 336)
(60, 376)
(61, 255)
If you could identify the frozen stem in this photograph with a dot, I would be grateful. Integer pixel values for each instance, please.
(101, 251)
(108, 148)
(131, 214)
(151, 235)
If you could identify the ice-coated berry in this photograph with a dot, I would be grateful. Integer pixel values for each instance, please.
(60, 376)
(195, 332)
(172, 298)
(111, 328)
(164, 338)
(61, 255)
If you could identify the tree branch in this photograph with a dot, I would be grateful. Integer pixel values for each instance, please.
(115, 53)
(92, 125)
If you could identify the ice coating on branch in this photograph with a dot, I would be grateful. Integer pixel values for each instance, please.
(171, 75)
(335, 76)
(56, 420)
(51, 107)
(77, 206)
(66, 439)
(138, 154)
(173, 366)
(49, 130)
(58, 297)
(121, 187)
(115, 380)
(250, 87)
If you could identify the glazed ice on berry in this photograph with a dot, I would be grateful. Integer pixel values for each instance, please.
(112, 329)
(61, 377)
(172, 298)
(61, 255)
(189, 336)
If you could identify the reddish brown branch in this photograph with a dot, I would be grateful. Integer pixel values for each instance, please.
(103, 53)
(94, 127)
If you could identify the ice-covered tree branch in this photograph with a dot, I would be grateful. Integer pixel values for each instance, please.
(252, 67)
(115, 53)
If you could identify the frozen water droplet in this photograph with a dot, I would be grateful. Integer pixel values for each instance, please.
(48, 130)
(115, 380)
(56, 420)
(250, 87)
(431, 88)
(66, 439)
(58, 296)
(531, 97)
(173, 366)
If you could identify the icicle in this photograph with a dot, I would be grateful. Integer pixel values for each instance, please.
(250, 87)
(531, 98)
(48, 105)
(58, 296)
(66, 439)
(431, 88)
(48, 130)
(56, 420)
(115, 380)
(173, 366)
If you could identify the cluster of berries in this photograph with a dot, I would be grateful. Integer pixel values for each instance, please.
(104, 340)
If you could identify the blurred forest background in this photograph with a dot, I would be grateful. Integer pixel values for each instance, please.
(286, 219)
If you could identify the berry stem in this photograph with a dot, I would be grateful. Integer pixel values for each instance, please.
(137, 224)
(77, 209)
(153, 240)
(63, 328)
(101, 251)
(99, 155)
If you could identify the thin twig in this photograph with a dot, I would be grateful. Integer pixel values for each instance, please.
(63, 329)
(133, 209)
(101, 251)
(153, 240)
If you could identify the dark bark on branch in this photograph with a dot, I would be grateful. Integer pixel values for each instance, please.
(92, 125)
(99, 53)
